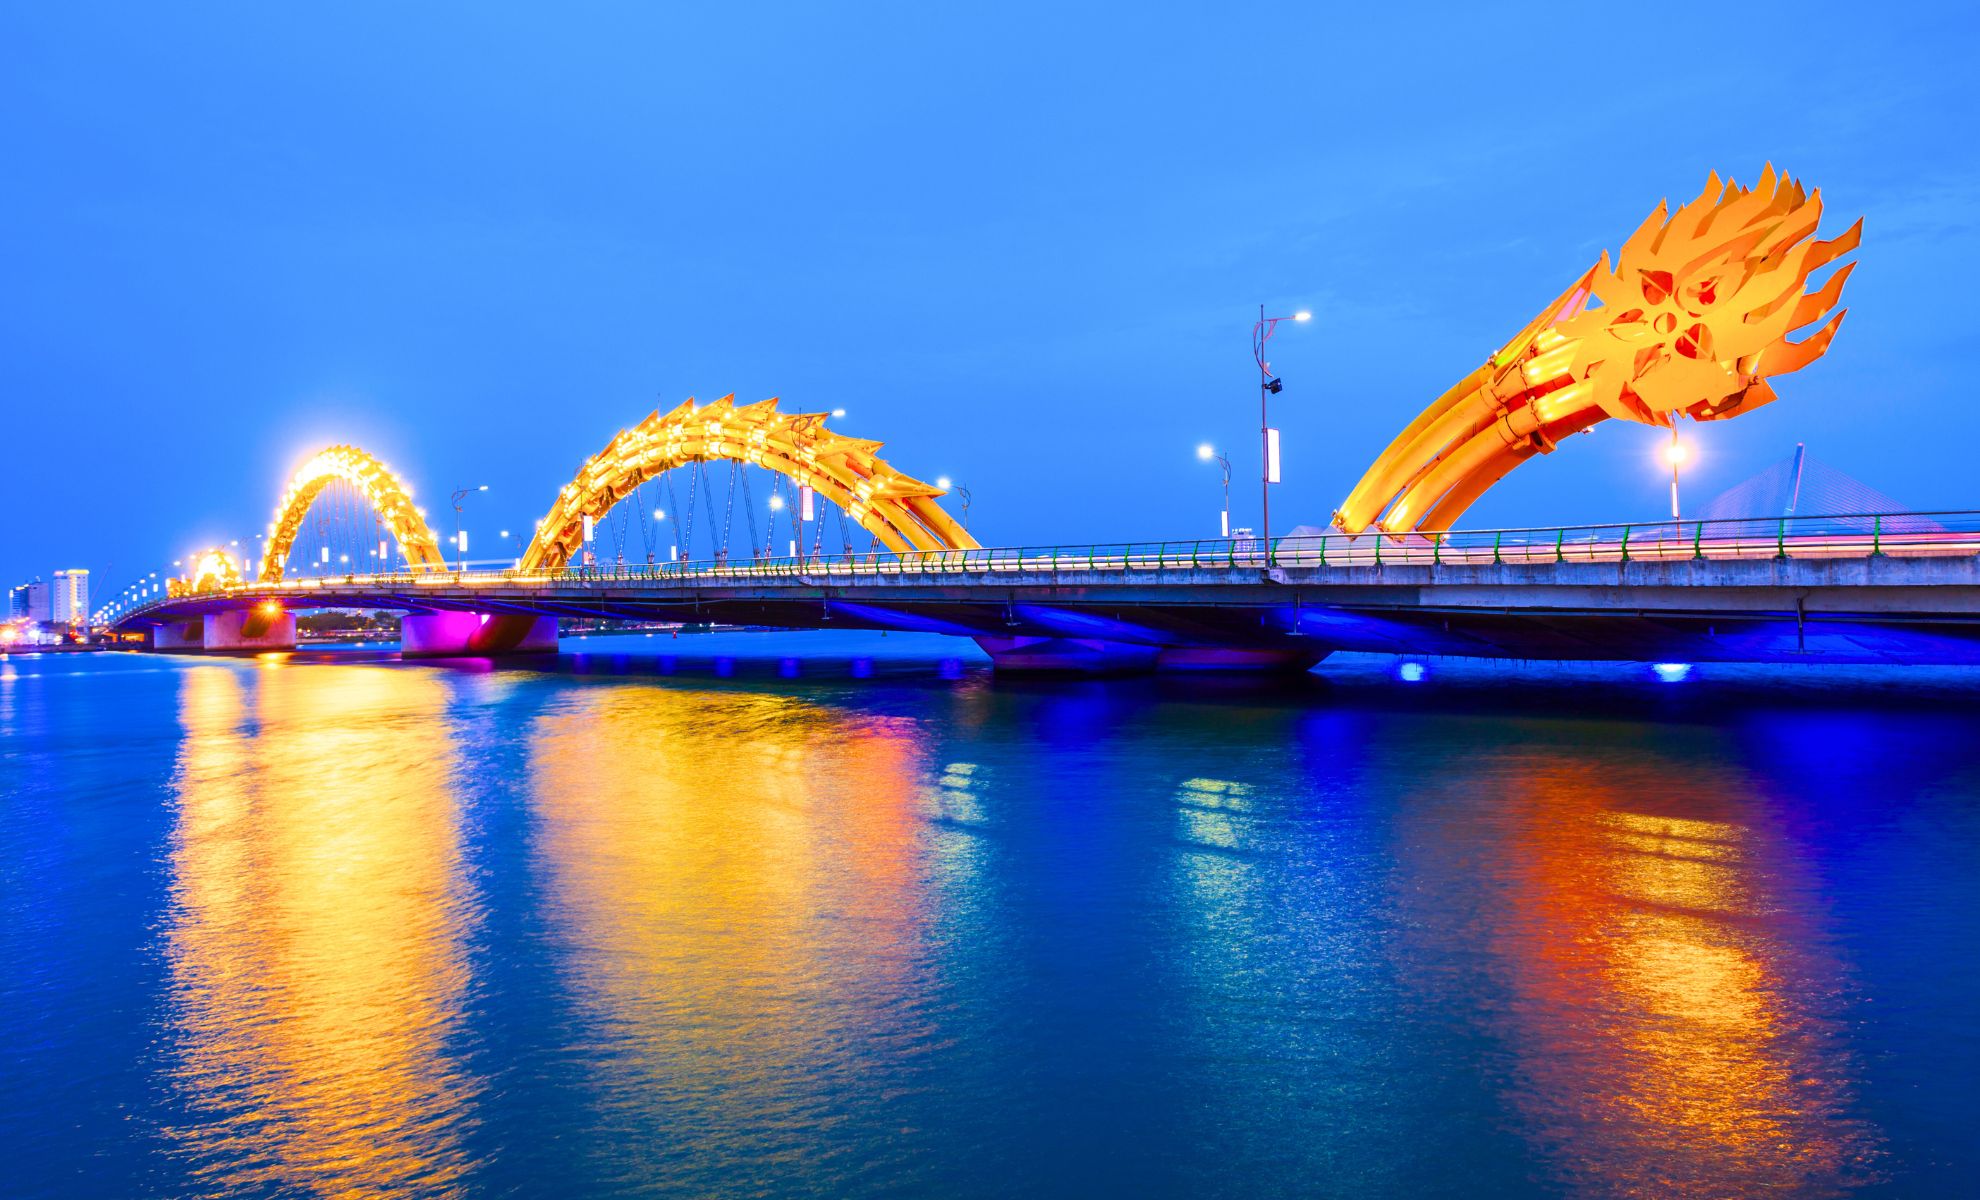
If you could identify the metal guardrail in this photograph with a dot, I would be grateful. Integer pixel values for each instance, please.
(1856, 536)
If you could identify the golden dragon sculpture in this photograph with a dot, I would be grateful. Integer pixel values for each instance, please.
(1693, 319)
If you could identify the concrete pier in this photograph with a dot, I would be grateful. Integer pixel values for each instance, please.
(475, 635)
(1067, 656)
(229, 631)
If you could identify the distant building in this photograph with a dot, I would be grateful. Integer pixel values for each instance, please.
(30, 600)
(70, 603)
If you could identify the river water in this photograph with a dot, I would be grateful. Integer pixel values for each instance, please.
(833, 914)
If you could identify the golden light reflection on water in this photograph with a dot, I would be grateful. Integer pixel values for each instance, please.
(314, 937)
(1661, 1018)
(736, 877)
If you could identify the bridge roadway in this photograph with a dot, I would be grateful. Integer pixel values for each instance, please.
(1180, 606)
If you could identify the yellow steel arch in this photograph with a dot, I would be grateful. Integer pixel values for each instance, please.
(1693, 319)
(389, 497)
(898, 510)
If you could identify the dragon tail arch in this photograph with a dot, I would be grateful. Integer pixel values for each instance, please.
(387, 494)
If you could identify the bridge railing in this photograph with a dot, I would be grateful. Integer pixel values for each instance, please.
(1852, 536)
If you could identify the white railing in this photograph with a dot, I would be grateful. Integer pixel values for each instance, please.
(1860, 536)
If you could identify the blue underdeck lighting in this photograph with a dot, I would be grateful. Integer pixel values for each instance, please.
(1672, 672)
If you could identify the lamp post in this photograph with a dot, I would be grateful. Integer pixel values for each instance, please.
(1674, 454)
(1268, 437)
(460, 544)
(962, 494)
(1206, 452)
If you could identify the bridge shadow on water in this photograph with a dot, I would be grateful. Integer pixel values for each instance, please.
(862, 672)
(834, 666)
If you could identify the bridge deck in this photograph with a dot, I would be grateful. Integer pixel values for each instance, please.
(1911, 594)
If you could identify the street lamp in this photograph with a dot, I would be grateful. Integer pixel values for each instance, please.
(962, 494)
(1674, 453)
(1206, 452)
(1268, 386)
(460, 543)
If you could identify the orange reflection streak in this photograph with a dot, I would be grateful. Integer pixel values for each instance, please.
(739, 879)
(1657, 1013)
(314, 940)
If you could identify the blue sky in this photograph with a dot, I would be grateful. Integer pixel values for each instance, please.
(1021, 244)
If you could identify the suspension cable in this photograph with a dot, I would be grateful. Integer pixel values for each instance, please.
(728, 512)
(675, 500)
(646, 530)
(708, 495)
(749, 509)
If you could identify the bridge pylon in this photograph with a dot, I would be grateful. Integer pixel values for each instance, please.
(230, 631)
(475, 635)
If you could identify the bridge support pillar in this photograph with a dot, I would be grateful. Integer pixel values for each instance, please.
(475, 635)
(1067, 656)
(244, 632)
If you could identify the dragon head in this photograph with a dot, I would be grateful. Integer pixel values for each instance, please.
(1695, 314)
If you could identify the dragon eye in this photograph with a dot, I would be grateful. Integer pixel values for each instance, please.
(1696, 342)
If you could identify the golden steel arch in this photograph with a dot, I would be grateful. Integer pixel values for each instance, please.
(211, 571)
(1693, 319)
(898, 510)
(387, 494)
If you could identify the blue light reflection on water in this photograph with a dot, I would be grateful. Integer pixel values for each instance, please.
(277, 927)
